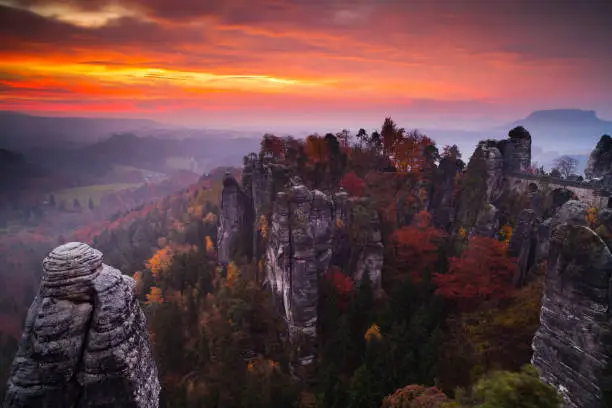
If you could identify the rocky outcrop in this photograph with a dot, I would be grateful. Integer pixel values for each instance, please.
(309, 232)
(299, 251)
(85, 341)
(570, 345)
(442, 205)
(516, 150)
(487, 223)
(523, 244)
(485, 179)
(600, 160)
(235, 221)
(494, 170)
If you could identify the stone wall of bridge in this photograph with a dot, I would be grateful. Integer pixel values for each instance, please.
(592, 195)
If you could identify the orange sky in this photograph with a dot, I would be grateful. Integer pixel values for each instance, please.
(213, 62)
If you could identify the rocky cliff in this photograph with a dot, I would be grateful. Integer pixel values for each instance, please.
(600, 160)
(298, 233)
(85, 341)
(235, 221)
(485, 181)
(570, 346)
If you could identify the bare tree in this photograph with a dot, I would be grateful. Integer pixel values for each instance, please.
(566, 165)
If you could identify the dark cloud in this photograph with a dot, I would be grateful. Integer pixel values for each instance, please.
(21, 29)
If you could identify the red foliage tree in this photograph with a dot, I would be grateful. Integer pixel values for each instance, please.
(273, 145)
(353, 184)
(416, 247)
(343, 284)
(483, 272)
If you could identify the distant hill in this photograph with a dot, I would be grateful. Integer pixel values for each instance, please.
(16, 171)
(20, 131)
(564, 131)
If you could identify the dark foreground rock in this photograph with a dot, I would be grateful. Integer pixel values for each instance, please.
(85, 341)
(571, 346)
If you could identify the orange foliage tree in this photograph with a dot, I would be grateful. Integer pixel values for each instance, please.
(483, 272)
(316, 149)
(353, 184)
(160, 261)
(416, 396)
(155, 296)
(416, 247)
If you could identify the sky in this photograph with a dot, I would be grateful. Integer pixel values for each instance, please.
(305, 63)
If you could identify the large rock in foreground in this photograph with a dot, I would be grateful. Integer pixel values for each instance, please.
(571, 346)
(85, 341)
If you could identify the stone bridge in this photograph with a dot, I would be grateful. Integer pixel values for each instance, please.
(593, 194)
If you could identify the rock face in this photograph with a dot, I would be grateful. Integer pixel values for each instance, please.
(85, 341)
(516, 150)
(485, 179)
(308, 233)
(524, 244)
(487, 223)
(299, 251)
(575, 324)
(600, 160)
(235, 220)
(494, 170)
(442, 205)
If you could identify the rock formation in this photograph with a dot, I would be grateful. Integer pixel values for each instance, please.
(85, 341)
(600, 160)
(307, 232)
(442, 205)
(524, 243)
(299, 251)
(575, 323)
(235, 220)
(485, 178)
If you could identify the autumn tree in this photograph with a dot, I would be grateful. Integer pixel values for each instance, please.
(273, 146)
(416, 396)
(566, 165)
(451, 152)
(522, 389)
(343, 285)
(416, 247)
(483, 272)
(353, 184)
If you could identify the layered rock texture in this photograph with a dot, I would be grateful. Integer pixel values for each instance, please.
(234, 220)
(85, 341)
(484, 183)
(299, 233)
(600, 160)
(572, 346)
(524, 244)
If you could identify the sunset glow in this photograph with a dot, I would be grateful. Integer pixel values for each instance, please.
(193, 59)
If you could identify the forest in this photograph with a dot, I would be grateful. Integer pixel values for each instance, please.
(448, 327)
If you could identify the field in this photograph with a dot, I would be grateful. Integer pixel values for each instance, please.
(84, 193)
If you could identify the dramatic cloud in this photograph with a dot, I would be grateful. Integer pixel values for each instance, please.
(258, 59)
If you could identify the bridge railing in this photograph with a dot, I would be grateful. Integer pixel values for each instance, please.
(556, 181)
